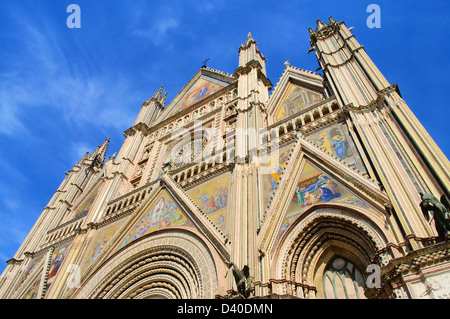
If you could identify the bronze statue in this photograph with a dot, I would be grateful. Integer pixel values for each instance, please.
(243, 280)
(440, 210)
(166, 166)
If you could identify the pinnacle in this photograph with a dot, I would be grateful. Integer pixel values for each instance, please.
(163, 99)
(101, 150)
(287, 64)
(332, 21)
(249, 40)
(157, 95)
(320, 25)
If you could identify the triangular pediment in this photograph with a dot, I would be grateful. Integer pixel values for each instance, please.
(296, 91)
(204, 83)
(315, 187)
(166, 207)
(160, 213)
(318, 179)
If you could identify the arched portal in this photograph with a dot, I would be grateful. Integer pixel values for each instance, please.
(172, 264)
(311, 253)
(342, 279)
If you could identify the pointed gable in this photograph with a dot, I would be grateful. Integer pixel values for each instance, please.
(297, 90)
(318, 179)
(314, 186)
(163, 212)
(167, 206)
(296, 99)
(205, 83)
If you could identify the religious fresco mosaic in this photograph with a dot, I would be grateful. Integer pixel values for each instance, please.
(337, 140)
(34, 270)
(295, 100)
(100, 240)
(58, 256)
(212, 198)
(315, 187)
(84, 208)
(35, 262)
(163, 212)
(200, 89)
(275, 166)
(32, 292)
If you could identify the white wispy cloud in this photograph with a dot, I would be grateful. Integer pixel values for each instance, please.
(154, 25)
(10, 123)
(14, 211)
(48, 80)
(157, 33)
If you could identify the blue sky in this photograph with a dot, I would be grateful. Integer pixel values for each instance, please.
(64, 91)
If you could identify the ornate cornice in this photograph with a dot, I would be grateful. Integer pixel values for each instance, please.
(417, 259)
(14, 261)
(412, 263)
(191, 108)
(376, 103)
(337, 65)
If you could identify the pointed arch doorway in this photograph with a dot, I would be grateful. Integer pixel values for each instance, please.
(342, 279)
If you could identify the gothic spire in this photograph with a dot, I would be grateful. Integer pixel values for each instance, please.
(249, 39)
(249, 52)
(320, 25)
(332, 21)
(158, 93)
(80, 162)
(163, 99)
(100, 152)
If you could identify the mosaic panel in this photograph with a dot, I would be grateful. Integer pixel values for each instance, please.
(337, 140)
(99, 241)
(315, 187)
(276, 165)
(295, 100)
(162, 213)
(202, 88)
(212, 198)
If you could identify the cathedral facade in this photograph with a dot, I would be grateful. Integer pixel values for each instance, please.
(321, 186)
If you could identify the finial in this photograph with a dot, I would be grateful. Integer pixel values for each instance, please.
(163, 99)
(287, 64)
(249, 39)
(332, 21)
(320, 25)
(157, 95)
(204, 63)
